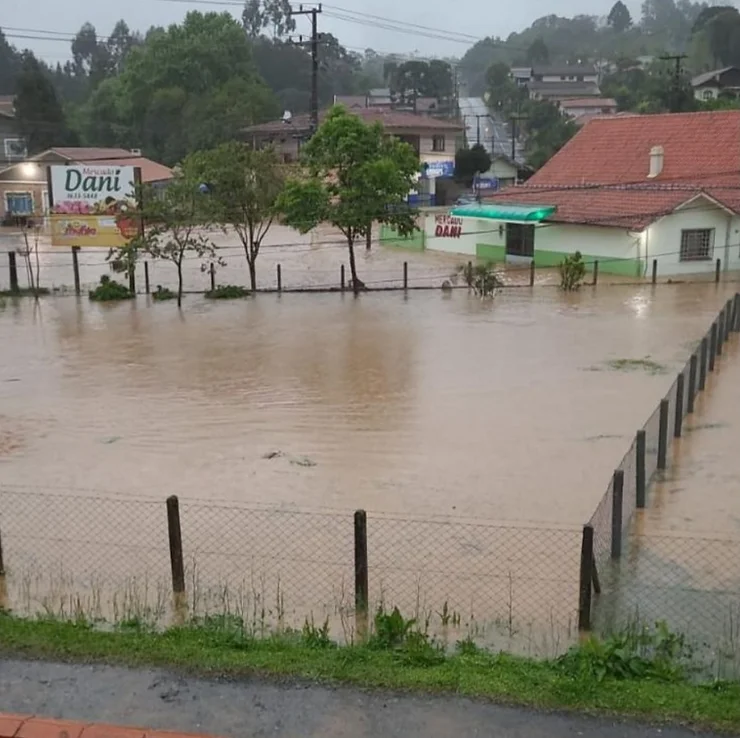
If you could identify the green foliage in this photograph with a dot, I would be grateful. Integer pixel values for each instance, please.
(192, 85)
(413, 79)
(619, 17)
(481, 278)
(355, 175)
(227, 292)
(395, 633)
(243, 188)
(315, 637)
(38, 112)
(572, 271)
(472, 161)
(501, 90)
(538, 53)
(548, 130)
(109, 291)
(162, 294)
(633, 654)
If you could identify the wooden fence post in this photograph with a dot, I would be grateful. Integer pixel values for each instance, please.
(691, 396)
(341, 277)
(720, 331)
(703, 363)
(712, 345)
(147, 285)
(640, 482)
(617, 501)
(680, 389)
(531, 273)
(76, 268)
(279, 278)
(362, 595)
(663, 434)
(655, 271)
(175, 537)
(212, 275)
(586, 577)
(13, 269)
(717, 270)
(405, 275)
(596, 272)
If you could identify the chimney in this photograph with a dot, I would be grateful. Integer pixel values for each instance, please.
(656, 161)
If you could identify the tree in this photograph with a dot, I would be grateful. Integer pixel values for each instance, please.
(619, 17)
(472, 161)
(243, 187)
(355, 175)
(538, 53)
(260, 14)
(178, 215)
(548, 130)
(38, 112)
(501, 88)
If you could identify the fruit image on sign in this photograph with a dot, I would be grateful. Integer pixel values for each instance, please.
(93, 205)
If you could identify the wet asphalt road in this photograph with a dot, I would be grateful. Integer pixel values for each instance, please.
(247, 709)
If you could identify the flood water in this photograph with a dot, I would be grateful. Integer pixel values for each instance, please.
(418, 406)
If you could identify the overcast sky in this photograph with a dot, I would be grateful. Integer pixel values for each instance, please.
(476, 18)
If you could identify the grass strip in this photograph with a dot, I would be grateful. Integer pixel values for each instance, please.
(498, 677)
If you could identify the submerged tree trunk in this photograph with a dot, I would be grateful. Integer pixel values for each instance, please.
(252, 272)
(179, 284)
(357, 284)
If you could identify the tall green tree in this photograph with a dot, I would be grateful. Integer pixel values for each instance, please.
(38, 112)
(538, 53)
(619, 17)
(501, 89)
(355, 175)
(243, 186)
(548, 130)
(472, 161)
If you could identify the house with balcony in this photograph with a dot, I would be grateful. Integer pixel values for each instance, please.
(624, 191)
(558, 83)
(435, 140)
(24, 189)
(12, 144)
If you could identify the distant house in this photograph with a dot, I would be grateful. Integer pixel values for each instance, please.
(23, 186)
(624, 191)
(710, 85)
(353, 102)
(12, 144)
(592, 106)
(558, 83)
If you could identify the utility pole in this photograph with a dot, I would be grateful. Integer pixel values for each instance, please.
(477, 124)
(677, 58)
(313, 12)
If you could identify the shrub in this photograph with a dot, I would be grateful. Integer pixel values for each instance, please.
(162, 293)
(228, 292)
(481, 278)
(572, 272)
(109, 290)
(635, 653)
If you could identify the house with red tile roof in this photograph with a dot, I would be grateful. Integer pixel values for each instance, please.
(624, 191)
(24, 189)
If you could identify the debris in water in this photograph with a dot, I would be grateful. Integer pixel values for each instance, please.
(273, 455)
(112, 439)
(302, 461)
(295, 460)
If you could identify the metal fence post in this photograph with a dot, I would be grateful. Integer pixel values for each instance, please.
(586, 577)
(617, 494)
(712, 345)
(703, 363)
(596, 272)
(341, 277)
(279, 278)
(13, 269)
(692, 383)
(720, 331)
(680, 388)
(405, 275)
(531, 273)
(362, 595)
(175, 537)
(212, 274)
(717, 270)
(655, 271)
(76, 268)
(640, 443)
(663, 434)
(728, 319)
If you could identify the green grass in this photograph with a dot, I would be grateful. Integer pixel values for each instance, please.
(227, 292)
(219, 651)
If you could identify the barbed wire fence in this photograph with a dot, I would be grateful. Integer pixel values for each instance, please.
(626, 574)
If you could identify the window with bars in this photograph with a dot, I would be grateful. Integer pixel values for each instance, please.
(697, 244)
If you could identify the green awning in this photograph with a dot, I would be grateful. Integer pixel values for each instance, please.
(503, 211)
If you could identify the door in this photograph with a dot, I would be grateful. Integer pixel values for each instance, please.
(520, 240)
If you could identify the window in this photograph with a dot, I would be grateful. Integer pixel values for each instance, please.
(19, 203)
(438, 143)
(707, 94)
(697, 244)
(14, 148)
(579, 78)
(519, 239)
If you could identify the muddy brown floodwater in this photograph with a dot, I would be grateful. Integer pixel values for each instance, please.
(511, 409)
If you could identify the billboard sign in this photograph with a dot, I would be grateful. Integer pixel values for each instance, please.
(93, 205)
(434, 169)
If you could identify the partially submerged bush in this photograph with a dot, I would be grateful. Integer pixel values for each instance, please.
(572, 272)
(481, 278)
(162, 293)
(228, 292)
(109, 290)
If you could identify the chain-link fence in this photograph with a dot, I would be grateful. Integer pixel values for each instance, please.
(610, 556)
(506, 586)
